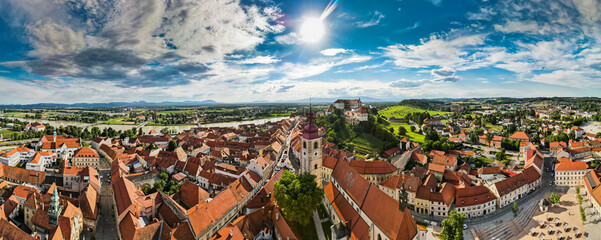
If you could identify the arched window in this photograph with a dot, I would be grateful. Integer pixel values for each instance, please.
(315, 145)
(304, 144)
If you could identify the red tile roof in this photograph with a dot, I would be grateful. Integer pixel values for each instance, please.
(521, 136)
(571, 166)
(350, 180)
(372, 167)
(510, 184)
(85, 152)
(385, 213)
(473, 195)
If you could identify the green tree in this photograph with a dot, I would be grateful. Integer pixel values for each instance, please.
(402, 131)
(159, 185)
(298, 196)
(164, 176)
(171, 146)
(500, 155)
(554, 198)
(452, 227)
(515, 209)
(413, 128)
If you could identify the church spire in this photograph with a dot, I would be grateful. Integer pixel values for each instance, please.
(310, 131)
(55, 208)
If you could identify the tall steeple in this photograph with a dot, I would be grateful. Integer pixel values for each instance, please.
(310, 131)
(311, 148)
(55, 208)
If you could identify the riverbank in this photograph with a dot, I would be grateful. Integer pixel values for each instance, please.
(124, 127)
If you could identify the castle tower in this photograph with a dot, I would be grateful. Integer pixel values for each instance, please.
(311, 149)
(55, 209)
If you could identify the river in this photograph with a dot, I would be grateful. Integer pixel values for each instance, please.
(146, 129)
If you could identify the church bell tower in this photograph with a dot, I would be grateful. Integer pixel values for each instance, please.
(311, 155)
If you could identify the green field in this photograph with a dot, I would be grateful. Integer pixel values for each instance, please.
(416, 137)
(401, 111)
(365, 143)
(119, 121)
(177, 111)
(493, 127)
(6, 133)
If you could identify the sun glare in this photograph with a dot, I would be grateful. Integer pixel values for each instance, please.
(312, 30)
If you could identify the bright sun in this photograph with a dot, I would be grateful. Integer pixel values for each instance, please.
(312, 30)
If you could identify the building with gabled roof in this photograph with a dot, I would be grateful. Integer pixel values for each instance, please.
(568, 173)
(509, 189)
(393, 186)
(592, 184)
(86, 157)
(61, 145)
(475, 201)
(364, 209)
(521, 136)
(16, 156)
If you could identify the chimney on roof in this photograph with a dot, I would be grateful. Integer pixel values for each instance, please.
(231, 233)
(277, 216)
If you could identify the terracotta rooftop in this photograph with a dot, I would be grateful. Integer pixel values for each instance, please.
(473, 195)
(372, 167)
(571, 166)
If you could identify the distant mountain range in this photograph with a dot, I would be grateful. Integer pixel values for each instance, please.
(170, 104)
(110, 104)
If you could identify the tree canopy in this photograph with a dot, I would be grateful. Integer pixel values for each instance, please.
(554, 198)
(452, 227)
(171, 146)
(298, 196)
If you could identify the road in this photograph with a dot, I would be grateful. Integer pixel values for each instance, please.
(26, 141)
(106, 227)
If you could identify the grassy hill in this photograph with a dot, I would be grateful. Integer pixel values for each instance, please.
(401, 111)
(365, 138)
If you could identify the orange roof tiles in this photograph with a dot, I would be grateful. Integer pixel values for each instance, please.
(372, 167)
(446, 159)
(207, 214)
(521, 136)
(436, 167)
(350, 180)
(571, 166)
(124, 193)
(23, 175)
(397, 181)
(510, 184)
(384, 212)
(473, 195)
(86, 152)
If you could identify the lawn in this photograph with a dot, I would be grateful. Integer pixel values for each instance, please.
(401, 111)
(6, 133)
(493, 127)
(416, 137)
(304, 232)
(119, 121)
(365, 143)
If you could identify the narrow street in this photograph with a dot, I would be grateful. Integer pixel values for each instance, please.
(106, 227)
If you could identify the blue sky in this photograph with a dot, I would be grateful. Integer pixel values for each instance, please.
(253, 50)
